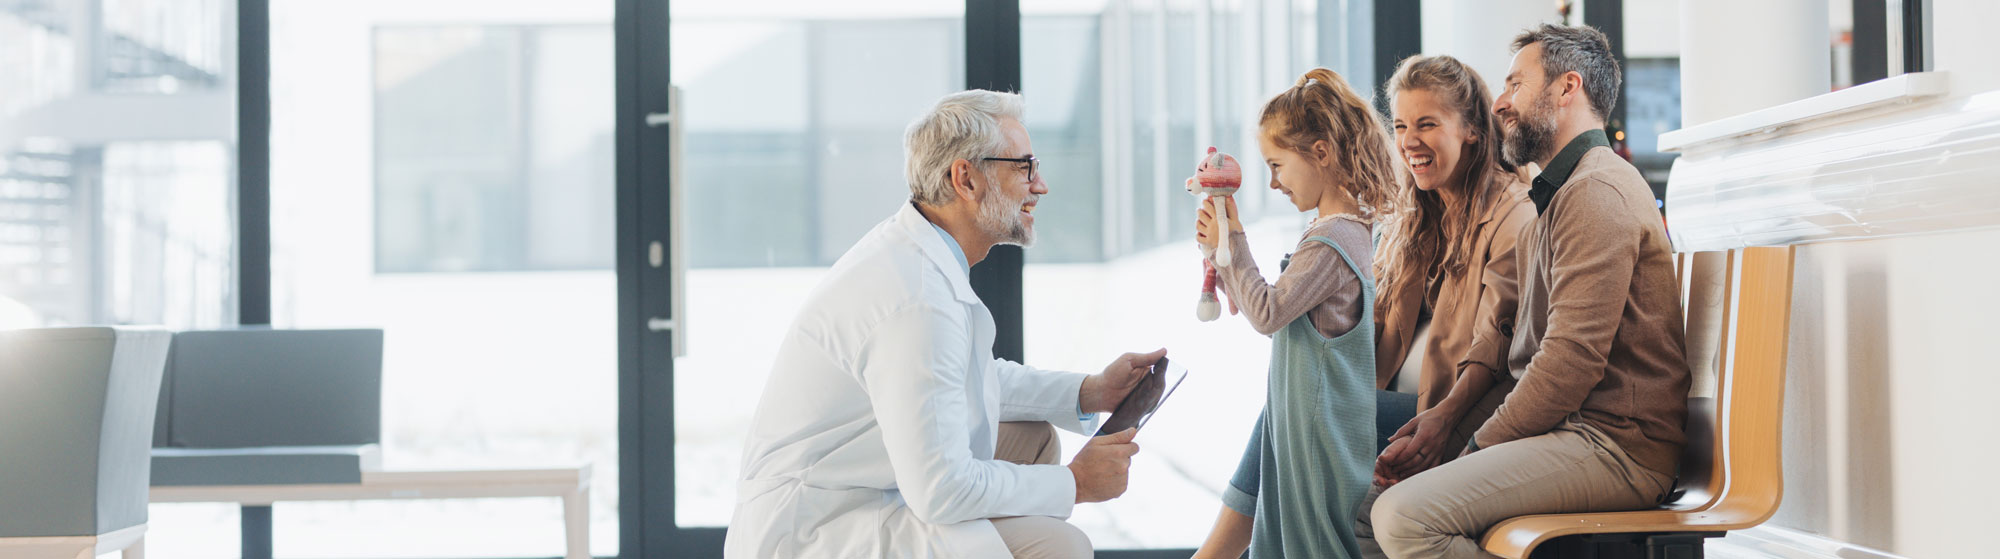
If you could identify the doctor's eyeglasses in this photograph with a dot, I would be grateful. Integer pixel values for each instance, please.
(1034, 165)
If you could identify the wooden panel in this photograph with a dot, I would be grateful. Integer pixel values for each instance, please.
(1755, 397)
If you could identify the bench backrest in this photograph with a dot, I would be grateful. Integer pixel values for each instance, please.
(261, 387)
(1733, 437)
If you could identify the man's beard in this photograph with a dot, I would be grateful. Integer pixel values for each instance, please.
(1534, 133)
(1000, 217)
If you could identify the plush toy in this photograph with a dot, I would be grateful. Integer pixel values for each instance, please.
(1217, 176)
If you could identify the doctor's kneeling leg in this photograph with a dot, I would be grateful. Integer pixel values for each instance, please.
(1036, 537)
(1027, 442)
(1042, 537)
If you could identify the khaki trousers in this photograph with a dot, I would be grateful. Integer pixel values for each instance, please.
(1364, 529)
(1443, 512)
(1036, 537)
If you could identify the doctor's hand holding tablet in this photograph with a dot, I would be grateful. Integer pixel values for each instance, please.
(1132, 388)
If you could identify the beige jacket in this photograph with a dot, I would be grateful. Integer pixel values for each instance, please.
(1479, 300)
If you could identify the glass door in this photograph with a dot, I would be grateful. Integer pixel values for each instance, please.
(444, 170)
(794, 129)
(785, 148)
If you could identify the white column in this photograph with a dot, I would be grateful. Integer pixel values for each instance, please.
(1738, 56)
(1479, 32)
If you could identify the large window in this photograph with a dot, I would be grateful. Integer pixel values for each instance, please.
(795, 117)
(1123, 97)
(443, 170)
(117, 181)
(110, 214)
(482, 163)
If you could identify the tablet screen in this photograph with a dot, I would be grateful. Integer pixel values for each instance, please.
(1139, 406)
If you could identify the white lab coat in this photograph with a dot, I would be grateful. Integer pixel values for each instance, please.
(875, 434)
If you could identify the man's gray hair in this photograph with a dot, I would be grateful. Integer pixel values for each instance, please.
(1581, 49)
(963, 125)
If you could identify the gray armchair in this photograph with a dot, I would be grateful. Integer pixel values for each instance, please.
(76, 424)
(257, 406)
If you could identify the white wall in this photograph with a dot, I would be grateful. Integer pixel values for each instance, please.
(1888, 435)
(1963, 42)
(1652, 28)
(1480, 32)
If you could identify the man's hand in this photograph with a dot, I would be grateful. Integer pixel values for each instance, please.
(1101, 467)
(1416, 447)
(1102, 392)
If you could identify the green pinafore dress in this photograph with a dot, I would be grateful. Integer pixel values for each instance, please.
(1309, 459)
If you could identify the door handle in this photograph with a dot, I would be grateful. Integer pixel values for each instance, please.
(675, 245)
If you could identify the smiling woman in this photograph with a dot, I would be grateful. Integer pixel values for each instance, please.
(1447, 272)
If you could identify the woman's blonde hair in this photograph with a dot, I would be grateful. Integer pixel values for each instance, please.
(1423, 238)
(1322, 107)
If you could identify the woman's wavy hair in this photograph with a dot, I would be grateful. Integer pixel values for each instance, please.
(1423, 238)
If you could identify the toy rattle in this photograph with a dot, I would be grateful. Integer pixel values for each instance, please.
(1217, 176)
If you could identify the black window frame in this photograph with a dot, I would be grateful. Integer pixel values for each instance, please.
(641, 29)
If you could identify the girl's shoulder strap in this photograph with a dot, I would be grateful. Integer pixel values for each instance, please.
(1367, 287)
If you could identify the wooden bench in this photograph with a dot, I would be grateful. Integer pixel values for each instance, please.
(1730, 477)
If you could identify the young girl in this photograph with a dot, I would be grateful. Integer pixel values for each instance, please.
(1306, 467)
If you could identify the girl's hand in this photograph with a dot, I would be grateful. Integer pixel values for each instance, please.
(1204, 221)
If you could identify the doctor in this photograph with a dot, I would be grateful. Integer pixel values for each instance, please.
(877, 433)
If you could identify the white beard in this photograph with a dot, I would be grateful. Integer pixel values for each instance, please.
(1001, 219)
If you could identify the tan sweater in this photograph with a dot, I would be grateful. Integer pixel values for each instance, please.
(1599, 336)
(1316, 283)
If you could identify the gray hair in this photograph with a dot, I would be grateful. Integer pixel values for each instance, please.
(1581, 49)
(963, 125)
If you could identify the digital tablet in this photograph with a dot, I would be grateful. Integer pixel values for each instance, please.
(1145, 399)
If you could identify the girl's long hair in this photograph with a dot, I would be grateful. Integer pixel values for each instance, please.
(1321, 106)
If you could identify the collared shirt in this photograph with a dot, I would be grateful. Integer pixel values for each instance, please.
(956, 251)
(1560, 168)
(965, 266)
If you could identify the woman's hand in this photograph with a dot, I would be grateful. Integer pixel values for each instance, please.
(1418, 446)
(1385, 473)
(1204, 222)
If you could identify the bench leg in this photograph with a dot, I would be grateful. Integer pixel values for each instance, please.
(257, 532)
(135, 551)
(1675, 545)
(576, 524)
